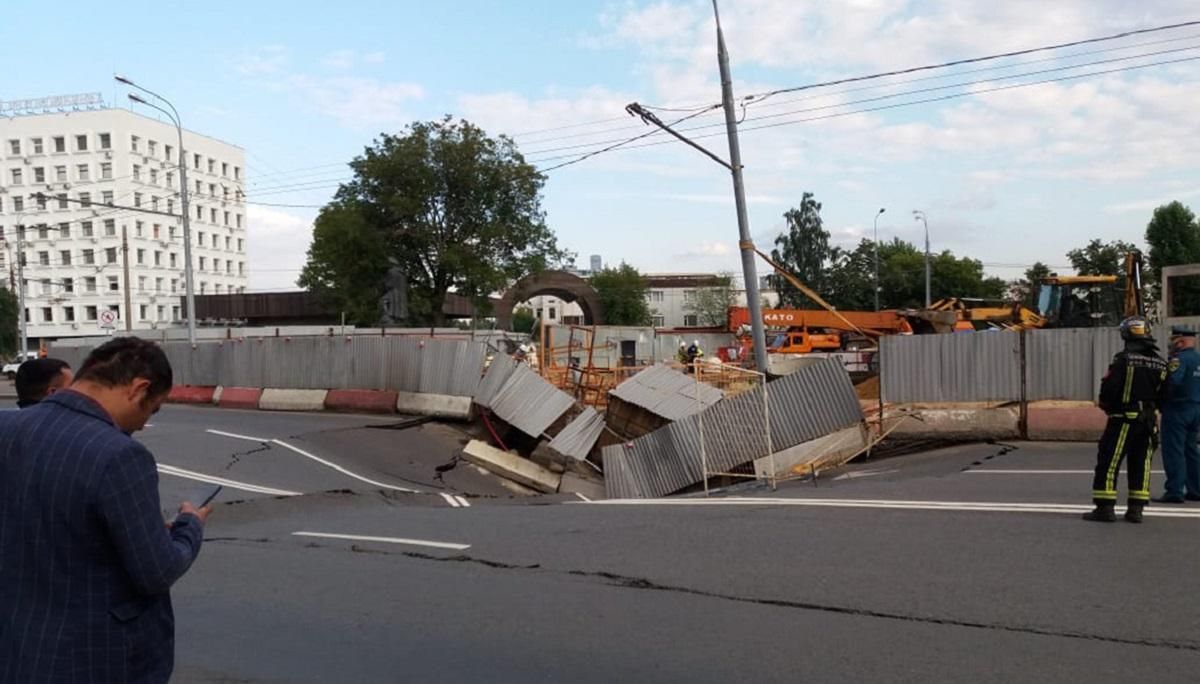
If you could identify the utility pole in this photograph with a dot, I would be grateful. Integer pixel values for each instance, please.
(881, 210)
(128, 295)
(21, 292)
(920, 216)
(745, 244)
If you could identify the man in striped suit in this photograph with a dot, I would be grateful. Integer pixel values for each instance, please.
(86, 562)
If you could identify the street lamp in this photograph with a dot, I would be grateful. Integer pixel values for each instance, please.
(919, 215)
(173, 115)
(881, 210)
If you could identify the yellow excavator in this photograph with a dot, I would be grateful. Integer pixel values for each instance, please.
(1062, 302)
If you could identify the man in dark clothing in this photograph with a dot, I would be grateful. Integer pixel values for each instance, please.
(1181, 421)
(86, 563)
(39, 378)
(1132, 391)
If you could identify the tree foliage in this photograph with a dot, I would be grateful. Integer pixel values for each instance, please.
(1026, 289)
(622, 293)
(10, 312)
(711, 304)
(453, 208)
(1101, 258)
(1174, 238)
(523, 320)
(804, 250)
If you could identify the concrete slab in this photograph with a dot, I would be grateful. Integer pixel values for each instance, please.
(574, 484)
(361, 401)
(292, 400)
(191, 394)
(439, 405)
(511, 466)
(239, 397)
(961, 423)
(833, 449)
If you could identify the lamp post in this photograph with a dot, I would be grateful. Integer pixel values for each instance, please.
(876, 242)
(919, 215)
(173, 115)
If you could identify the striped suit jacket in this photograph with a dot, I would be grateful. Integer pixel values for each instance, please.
(86, 562)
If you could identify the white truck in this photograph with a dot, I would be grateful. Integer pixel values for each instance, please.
(10, 369)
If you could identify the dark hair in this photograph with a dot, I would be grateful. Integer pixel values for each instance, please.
(124, 359)
(34, 378)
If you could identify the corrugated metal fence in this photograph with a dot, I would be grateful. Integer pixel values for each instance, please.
(986, 367)
(404, 364)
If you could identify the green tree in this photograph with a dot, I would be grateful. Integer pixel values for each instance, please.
(454, 209)
(622, 292)
(347, 263)
(1101, 258)
(711, 304)
(10, 312)
(1026, 289)
(1174, 238)
(523, 320)
(803, 249)
(902, 277)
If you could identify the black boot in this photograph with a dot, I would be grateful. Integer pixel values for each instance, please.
(1103, 513)
(1134, 513)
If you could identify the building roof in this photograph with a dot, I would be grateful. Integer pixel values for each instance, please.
(683, 280)
(666, 392)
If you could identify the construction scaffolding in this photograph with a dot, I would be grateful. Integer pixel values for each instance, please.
(742, 427)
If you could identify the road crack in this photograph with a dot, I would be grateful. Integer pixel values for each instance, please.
(236, 457)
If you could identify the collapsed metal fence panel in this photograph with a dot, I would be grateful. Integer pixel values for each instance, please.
(812, 402)
(962, 367)
(451, 367)
(529, 403)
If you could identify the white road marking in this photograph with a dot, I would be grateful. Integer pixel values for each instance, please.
(450, 500)
(387, 540)
(1006, 471)
(991, 507)
(854, 475)
(462, 500)
(212, 479)
(234, 435)
(583, 497)
(342, 470)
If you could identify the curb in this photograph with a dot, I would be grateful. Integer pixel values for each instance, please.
(361, 401)
(273, 399)
(190, 394)
(239, 397)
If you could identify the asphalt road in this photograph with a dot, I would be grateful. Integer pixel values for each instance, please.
(967, 564)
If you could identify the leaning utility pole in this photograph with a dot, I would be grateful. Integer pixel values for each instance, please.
(745, 244)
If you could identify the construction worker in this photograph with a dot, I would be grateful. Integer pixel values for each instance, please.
(1181, 420)
(682, 355)
(694, 352)
(1131, 392)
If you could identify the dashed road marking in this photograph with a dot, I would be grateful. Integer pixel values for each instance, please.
(342, 470)
(462, 500)
(450, 500)
(584, 498)
(386, 540)
(212, 479)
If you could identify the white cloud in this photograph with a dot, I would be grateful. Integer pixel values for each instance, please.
(708, 249)
(376, 57)
(277, 245)
(358, 102)
(265, 61)
(339, 59)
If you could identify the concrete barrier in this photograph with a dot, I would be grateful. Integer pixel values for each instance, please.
(438, 405)
(961, 423)
(361, 401)
(821, 452)
(511, 466)
(1066, 422)
(292, 400)
(190, 394)
(239, 397)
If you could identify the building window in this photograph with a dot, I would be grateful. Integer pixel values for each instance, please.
(158, 284)
(202, 262)
(85, 229)
(41, 201)
(199, 213)
(212, 216)
(229, 267)
(173, 257)
(137, 172)
(64, 230)
(90, 313)
(14, 147)
(239, 243)
(212, 163)
(239, 223)
(60, 174)
(89, 285)
(170, 206)
(141, 257)
(141, 283)
(655, 295)
(65, 257)
(241, 268)
(225, 169)
(157, 258)
(154, 203)
(137, 199)
(85, 199)
(203, 286)
(62, 200)
(152, 148)
(162, 313)
(226, 220)
(690, 321)
(43, 231)
(168, 151)
(106, 197)
(68, 285)
(657, 321)
(199, 188)
(174, 284)
(196, 165)
(237, 173)
(156, 231)
(216, 241)
(89, 257)
(133, 142)
(43, 258)
(16, 176)
(18, 204)
(37, 145)
(200, 238)
(175, 312)
(81, 143)
(689, 296)
(142, 311)
(153, 176)
(60, 144)
(110, 227)
(105, 141)
(217, 288)
(39, 174)
(69, 314)
(216, 265)
(83, 172)
(170, 179)
(139, 228)
(47, 314)
(114, 284)
(106, 170)
(228, 241)
(212, 189)
(171, 232)
(110, 255)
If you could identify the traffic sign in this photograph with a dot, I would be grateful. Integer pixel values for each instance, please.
(108, 318)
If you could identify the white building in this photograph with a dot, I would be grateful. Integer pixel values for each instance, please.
(73, 251)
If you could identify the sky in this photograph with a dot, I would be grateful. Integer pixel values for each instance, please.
(1007, 175)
